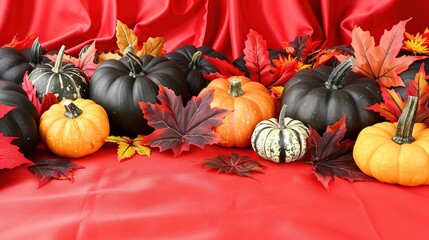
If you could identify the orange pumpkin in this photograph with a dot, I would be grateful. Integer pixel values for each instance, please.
(251, 103)
(74, 129)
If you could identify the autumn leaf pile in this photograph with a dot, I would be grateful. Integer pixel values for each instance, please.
(179, 125)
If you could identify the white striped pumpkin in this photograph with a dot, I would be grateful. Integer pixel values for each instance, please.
(280, 141)
(63, 79)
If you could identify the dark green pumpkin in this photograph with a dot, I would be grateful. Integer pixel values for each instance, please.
(20, 122)
(14, 63)
(63, 79)
(194, 66)
(118, 85)
(321, 96)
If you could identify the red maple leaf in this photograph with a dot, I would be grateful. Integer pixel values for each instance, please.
(302, 46)
(234, 164)
(86, 60)
(331, 157)
(257, 59)
(224, 69)
(177, 127)
(10, 156)
(48, 100)
(48, 169)
(393, 104)
(381, 62)
(21, 44)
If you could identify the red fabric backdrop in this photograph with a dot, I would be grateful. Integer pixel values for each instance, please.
(176, 198)
(221, 24)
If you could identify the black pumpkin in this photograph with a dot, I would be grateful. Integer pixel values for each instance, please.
(14, 63)
(20, 122)
(118, 85)
(194, 66)
(321, 96)
(63, 79)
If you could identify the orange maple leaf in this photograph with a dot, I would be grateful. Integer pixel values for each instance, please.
(381, 62)
(393, 104)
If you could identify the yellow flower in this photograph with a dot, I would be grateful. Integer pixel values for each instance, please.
(418, 44)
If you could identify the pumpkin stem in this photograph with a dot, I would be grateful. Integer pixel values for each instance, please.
(59, 62)
(235, 89)
(282, 117)
(195, 57)
(404, 129)
(134, 62)
(72, 111)
(36, 53)
(339, 72)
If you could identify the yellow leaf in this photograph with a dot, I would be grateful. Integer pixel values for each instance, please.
(127, 147)
(125, 37)
(153, 46)
(108, 55)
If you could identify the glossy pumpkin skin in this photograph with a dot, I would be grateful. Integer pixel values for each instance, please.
(14, 63)
(378, 156)
(74, 137)
(280, 141)
(194, 66)
(20, 122)
(253, 106)
(310, 101)
(118, 91)
(63, 79)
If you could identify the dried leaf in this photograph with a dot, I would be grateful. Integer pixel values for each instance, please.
(108, 55)
(5, 110)
(47, 169)
(127, 147)
(177, 127)
(380, 62)
(21, 44)
(234, 164)
(393, 104)
(125, 37)
(302, 46)
(153, 46)
(331, 157)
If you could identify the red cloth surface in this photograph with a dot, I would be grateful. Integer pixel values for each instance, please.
(177, 198)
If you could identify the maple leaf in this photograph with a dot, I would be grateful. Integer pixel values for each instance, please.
(234, 164)
(302, 46)
(153, 47)
(380, 62)
(224, 69)
(49, 99)
(87, 60)
(21, 44)
(4, 109)
(127, 147)
(125, 37)
(47, 169)
(10, 156)
(331, 157)
(257, 59)
(393, 104)
(177, 127)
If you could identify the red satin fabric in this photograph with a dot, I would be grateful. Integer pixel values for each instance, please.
(177, 198)
(221, 24)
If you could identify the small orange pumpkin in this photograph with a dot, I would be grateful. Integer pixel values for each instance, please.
(74, 128)
(395, 152)
(251, 103)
